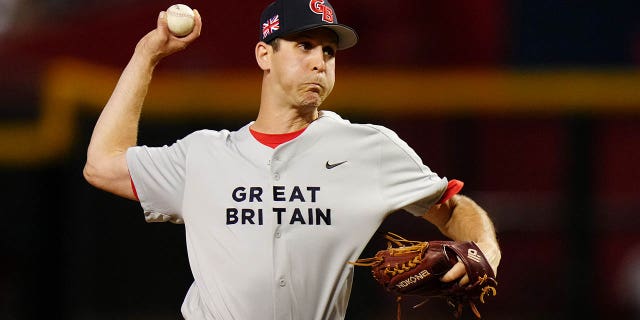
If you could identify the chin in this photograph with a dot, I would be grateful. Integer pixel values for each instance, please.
(311, 102)
(310, 105)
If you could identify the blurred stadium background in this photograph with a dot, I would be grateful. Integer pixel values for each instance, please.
(534, 104)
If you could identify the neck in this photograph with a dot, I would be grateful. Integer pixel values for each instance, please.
(278, 115)
(284, 120)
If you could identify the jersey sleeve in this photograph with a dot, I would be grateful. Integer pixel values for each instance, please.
(404, 180)
(158, 176)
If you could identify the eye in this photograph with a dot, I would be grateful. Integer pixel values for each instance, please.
(305, 45)
(330, 51)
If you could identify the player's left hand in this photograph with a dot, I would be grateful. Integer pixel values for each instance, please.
(458, 270)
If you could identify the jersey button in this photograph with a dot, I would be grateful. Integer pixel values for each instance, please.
(276, 176)
(278, 234)
(282, 283)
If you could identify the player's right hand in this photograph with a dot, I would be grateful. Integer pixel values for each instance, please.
(160, 43)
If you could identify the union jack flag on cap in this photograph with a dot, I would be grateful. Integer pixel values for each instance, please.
(270, 26)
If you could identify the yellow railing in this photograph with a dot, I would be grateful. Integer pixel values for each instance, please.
(70, 85)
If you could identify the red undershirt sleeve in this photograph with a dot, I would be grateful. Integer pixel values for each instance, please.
(453, 187)
(133, 187)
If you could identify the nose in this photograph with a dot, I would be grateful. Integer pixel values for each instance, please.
(318, 59)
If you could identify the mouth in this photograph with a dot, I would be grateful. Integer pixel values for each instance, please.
(315, 87)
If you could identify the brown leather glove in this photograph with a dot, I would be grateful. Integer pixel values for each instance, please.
(414, 268)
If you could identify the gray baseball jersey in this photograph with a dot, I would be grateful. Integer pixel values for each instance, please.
(269, 231)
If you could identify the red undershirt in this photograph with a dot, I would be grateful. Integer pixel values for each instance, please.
(453, 187)
(273, 140)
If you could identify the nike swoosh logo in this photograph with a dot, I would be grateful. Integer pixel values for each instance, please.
(333, 165)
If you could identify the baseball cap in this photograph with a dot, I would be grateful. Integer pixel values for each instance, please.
(285, 17)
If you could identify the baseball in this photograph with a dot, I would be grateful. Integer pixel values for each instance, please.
(180, 19)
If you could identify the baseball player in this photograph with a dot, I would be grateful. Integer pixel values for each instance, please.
(273, 211)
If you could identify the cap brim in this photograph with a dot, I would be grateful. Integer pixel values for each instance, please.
(347, 36)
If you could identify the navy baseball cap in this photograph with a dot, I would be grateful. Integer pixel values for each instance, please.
(285, 17)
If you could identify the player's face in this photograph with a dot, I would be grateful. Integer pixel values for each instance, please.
(304, 66)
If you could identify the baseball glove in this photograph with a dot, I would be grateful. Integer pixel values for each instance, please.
(414, 268)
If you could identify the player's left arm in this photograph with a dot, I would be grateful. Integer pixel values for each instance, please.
(462, 219)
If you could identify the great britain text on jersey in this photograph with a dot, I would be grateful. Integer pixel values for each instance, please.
(291, 194)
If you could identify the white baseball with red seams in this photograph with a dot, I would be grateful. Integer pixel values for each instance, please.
(180, 19)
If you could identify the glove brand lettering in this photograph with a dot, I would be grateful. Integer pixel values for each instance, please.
(473, 255)
(282, 215)
(413, 279)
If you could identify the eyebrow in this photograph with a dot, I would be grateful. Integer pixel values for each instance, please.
(306, 36)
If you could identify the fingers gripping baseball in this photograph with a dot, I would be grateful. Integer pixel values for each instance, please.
(172, 43)
(160, 42)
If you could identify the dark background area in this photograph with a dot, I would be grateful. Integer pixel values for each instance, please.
(561, 185)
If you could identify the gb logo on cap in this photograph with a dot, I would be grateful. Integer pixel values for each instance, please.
(318, 7)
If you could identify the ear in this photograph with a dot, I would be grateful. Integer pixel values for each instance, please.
(263, 55)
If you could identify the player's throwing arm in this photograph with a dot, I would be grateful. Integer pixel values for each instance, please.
(117, 127)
